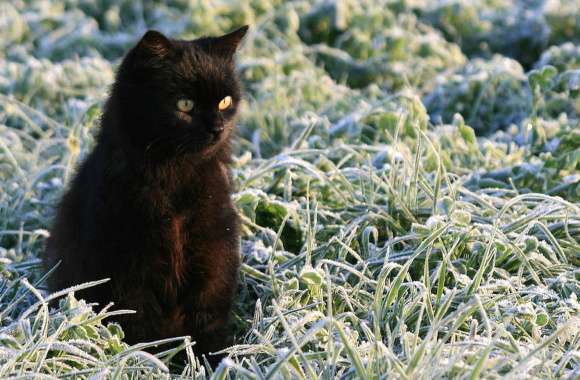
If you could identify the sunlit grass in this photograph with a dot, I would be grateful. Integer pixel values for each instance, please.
(377, 242)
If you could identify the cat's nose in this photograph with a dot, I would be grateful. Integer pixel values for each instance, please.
(216, 129)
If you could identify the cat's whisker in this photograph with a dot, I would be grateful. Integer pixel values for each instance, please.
(161, 142)
(185, 144)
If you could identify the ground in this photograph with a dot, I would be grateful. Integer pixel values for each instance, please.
(407, 173)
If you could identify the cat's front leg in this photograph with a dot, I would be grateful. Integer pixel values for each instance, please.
(211, 333)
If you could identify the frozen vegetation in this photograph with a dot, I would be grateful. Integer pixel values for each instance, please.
(407, 172)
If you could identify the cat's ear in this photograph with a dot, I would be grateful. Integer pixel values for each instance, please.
(155, 43)
(229, 43)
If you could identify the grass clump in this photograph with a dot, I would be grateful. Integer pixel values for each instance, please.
(491, 95)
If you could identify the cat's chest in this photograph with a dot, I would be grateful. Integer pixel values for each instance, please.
(189, 218)
(187, 239)
(179, 213)
(187, 197)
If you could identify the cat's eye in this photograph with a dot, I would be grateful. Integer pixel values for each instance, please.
(225, 103)
(185, 105)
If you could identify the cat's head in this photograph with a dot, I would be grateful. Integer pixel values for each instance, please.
(177, 96)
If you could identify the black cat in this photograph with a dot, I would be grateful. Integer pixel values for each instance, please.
(150, 207)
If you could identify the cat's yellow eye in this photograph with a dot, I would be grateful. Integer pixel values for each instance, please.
(225, 103)
(185, 105)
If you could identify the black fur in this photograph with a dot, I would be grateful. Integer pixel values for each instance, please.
(150, 207)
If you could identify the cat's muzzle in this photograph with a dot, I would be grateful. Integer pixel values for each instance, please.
(217, 132)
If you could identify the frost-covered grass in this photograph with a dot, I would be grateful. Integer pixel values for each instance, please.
(382, 238)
